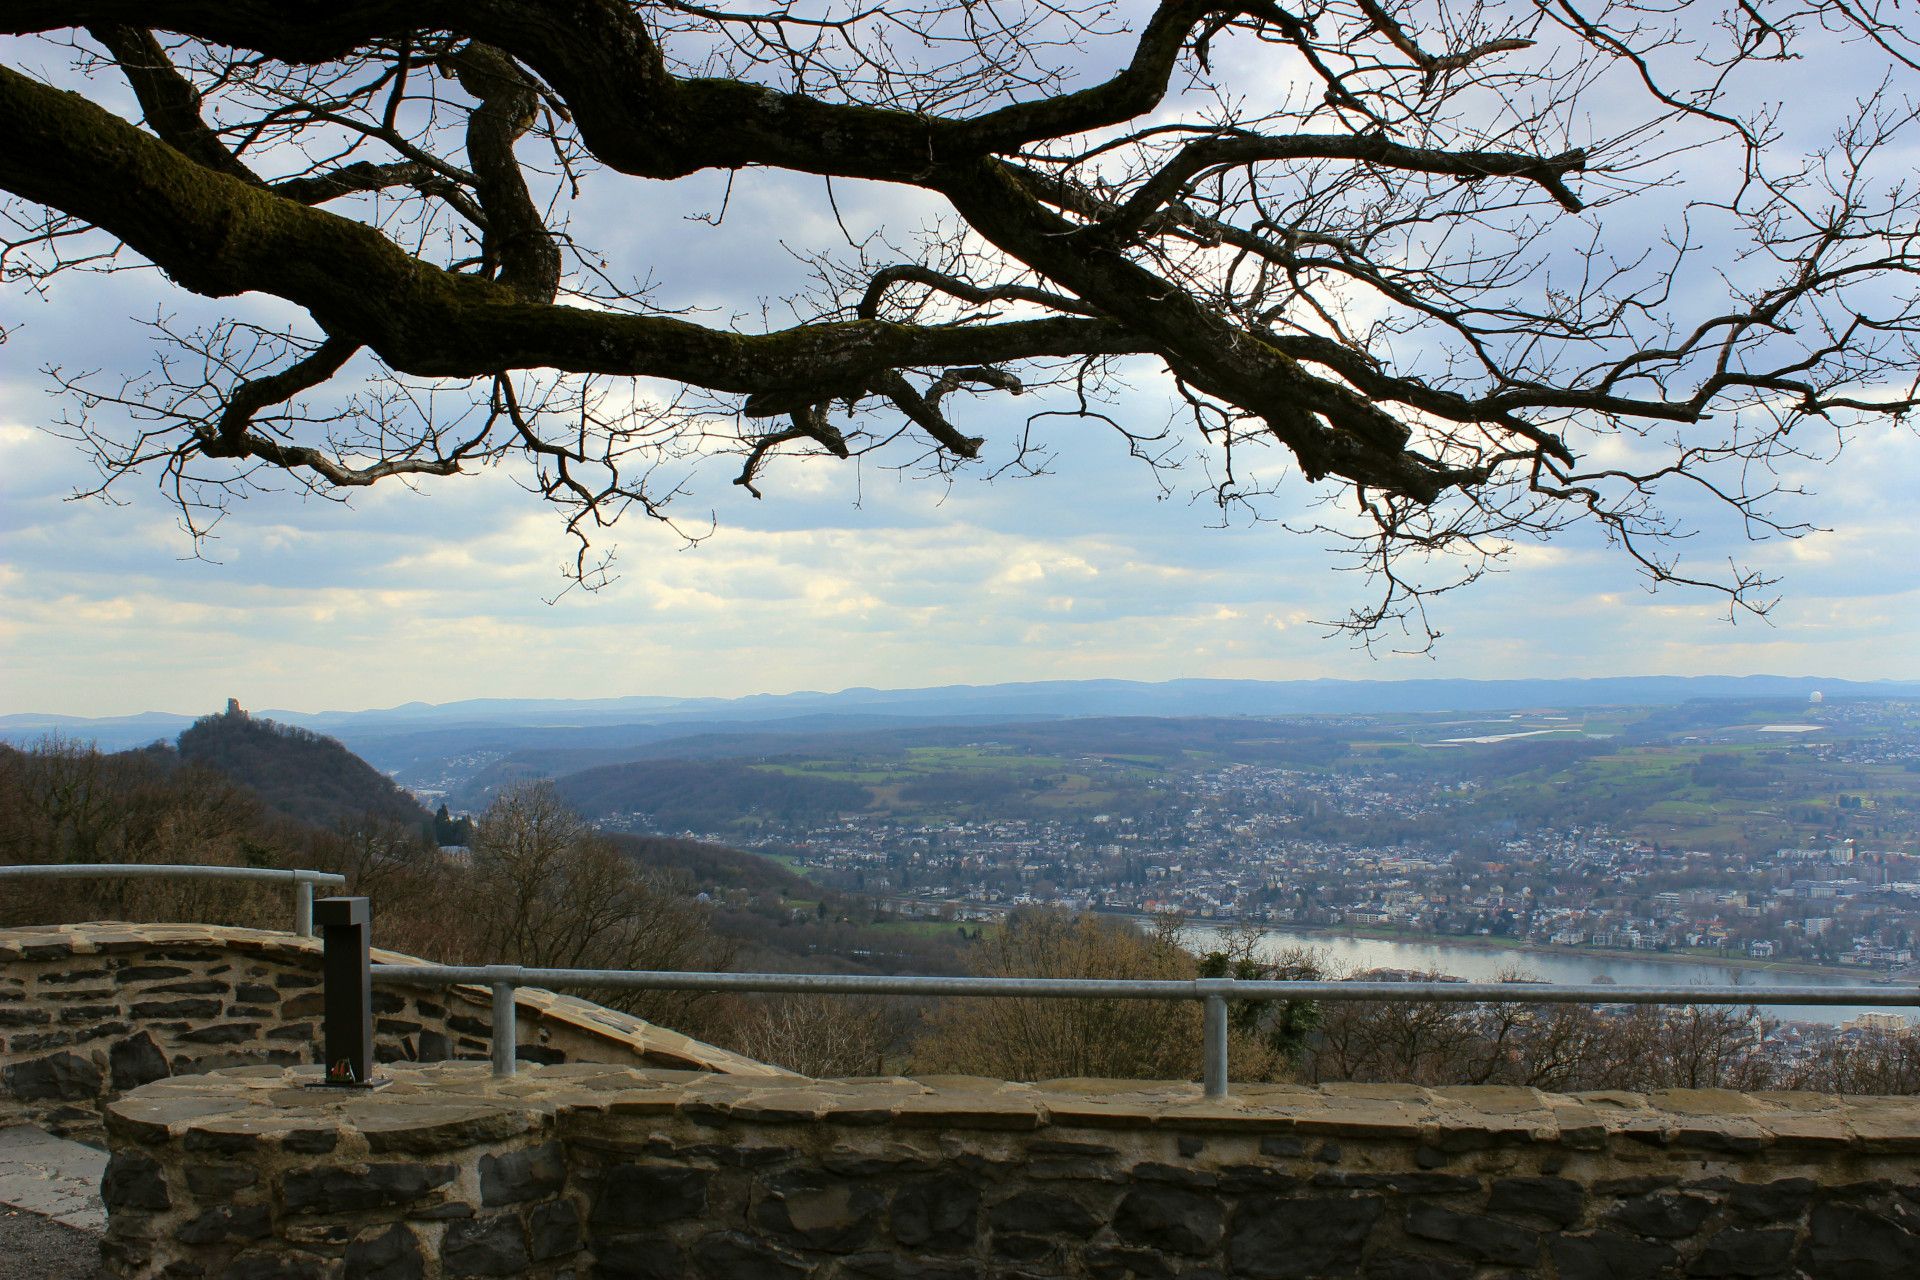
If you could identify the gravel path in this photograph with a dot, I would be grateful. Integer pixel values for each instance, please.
(37, 1248)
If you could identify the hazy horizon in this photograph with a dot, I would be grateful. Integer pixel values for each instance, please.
(8, 711)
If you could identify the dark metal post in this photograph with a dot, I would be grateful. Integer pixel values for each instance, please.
(347, 1031)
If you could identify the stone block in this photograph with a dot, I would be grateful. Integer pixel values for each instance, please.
(493, 1244)
(1855, 1241)
(637, 1257)
(1256, 1177)
(553, 1231)
(866, 1164)
(274, 1264)
(1783, 1200)
(1407, 1184)
(1667, 1215)
(61, 1075)
(527, 1174)
(1127, 1264)
(88, 1013)
(1609, 1255)
(199, 987)
(159, 1010)
(1283, 1237)
(135, 1061)
(1171, 1219)
(1393, 1265)
(1557, 1200)
(1044, 1213)
(815, 1210)
(223, 1033)
(1030, 1251)
(207, 1178)
(226, 1222)
(310, 1142)
(36, 1041)
(391, 1253)
(732, 1255)
(937, 1213)
(1745, 1251)
(1480, 1238)
(134, 1181)
(151, 973)
(631, 1196)
(893, 1266)
(354, 1188)
(72, 973)
(102, 1031)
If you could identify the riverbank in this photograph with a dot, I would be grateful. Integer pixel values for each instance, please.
(1518, 948)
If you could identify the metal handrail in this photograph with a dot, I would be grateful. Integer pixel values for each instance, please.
(503, 979)
(302, 879)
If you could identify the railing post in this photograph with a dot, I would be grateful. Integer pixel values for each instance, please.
(1215, 1076)
(302, 905)
(347, 1005)
(506, 1029)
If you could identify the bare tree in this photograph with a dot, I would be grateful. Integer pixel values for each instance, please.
(819, 1036)
(550, 892)
(1397, 246)
(1041, 1039)
(63, 801)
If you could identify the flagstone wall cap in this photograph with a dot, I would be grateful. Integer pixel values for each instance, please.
(446, 1103)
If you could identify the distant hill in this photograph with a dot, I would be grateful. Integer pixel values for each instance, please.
(426, 730)
(298, 772)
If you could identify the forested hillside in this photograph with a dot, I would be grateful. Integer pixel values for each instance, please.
(714, 868)
(298, 772)
(678, 795)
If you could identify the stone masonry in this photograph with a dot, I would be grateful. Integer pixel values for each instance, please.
(88, 1011)
(576, 1171)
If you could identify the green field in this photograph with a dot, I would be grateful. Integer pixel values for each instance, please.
(1690, 776)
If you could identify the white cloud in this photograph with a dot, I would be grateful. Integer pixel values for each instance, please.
(847, 573)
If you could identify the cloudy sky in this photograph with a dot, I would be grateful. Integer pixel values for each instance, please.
(842, 576)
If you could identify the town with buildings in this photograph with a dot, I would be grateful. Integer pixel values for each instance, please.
(1289, 847)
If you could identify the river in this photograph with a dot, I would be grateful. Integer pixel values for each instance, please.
(1346, 953)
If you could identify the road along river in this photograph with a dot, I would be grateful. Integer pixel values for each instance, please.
(1345, 954)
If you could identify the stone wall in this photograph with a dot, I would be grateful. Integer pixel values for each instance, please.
(90, 1010)
(571, 1171)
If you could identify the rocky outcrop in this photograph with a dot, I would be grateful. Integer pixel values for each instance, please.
(580, 1170)
(88, 1011)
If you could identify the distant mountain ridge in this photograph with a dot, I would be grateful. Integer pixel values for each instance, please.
(1032, 700)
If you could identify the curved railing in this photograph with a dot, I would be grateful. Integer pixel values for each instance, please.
(348, 999)
(301, 879)
(1215, 992)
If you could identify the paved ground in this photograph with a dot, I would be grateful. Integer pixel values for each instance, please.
(50, 1211)
(52, 1177)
